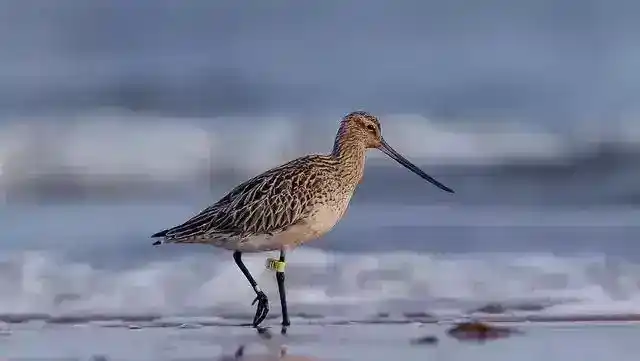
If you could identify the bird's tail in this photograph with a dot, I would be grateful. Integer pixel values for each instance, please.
(169, 236)
(162, 234)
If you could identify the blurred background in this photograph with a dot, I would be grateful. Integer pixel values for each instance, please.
(121, 118)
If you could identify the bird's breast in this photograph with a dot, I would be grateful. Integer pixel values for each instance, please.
(326, 215)
(322, 220)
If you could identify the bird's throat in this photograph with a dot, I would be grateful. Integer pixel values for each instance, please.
(351, 159)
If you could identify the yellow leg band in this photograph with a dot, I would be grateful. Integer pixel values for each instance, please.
(276, 265)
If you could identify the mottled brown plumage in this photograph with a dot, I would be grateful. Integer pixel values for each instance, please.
(293, 203)
(256, 215)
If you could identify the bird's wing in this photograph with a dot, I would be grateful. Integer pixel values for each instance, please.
(267, 203)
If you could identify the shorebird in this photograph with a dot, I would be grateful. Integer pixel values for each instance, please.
(289, 205)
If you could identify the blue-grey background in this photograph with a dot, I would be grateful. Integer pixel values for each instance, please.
(120, 118)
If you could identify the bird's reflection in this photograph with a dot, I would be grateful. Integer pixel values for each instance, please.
(282, 354)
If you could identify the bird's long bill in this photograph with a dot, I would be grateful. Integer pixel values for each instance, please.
(386, 149)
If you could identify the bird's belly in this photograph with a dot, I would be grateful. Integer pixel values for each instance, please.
(287, 239)
(323, 220)
(316, 225)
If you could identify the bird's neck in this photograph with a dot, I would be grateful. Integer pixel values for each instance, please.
(350, 153)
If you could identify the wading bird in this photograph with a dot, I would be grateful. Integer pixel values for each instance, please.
(289, 205)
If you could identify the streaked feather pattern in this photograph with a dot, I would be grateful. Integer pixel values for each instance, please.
(266, 204)
(290, 204)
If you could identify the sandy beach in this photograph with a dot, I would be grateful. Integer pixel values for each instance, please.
(588, 341)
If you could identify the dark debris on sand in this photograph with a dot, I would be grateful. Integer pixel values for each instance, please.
(425, 340)
(479, 331)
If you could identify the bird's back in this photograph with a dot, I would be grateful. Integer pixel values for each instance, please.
(268, 203)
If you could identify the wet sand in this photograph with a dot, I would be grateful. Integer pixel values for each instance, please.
(562, 339)
(421, 317)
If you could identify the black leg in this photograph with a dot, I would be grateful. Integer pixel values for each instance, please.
(263, 303)
(283, 296)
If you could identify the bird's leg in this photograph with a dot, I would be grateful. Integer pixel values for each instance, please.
(263, 303)
(283, 294)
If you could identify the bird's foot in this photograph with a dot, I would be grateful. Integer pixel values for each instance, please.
(262, 310)
(285, 326)
(264, 333)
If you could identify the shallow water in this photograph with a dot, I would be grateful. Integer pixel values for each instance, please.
(97, 259)
(560, 341)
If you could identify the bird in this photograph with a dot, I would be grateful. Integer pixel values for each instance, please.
(289, 205)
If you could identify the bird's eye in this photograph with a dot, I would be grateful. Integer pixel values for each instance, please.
(371, 127)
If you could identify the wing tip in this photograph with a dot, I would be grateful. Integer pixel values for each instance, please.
(160, 234)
